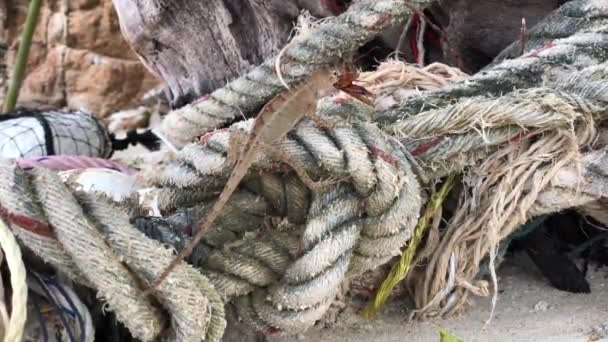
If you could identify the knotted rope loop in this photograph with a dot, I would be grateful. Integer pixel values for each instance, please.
(356, 224)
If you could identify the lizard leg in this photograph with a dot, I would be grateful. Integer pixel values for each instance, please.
(314, 185)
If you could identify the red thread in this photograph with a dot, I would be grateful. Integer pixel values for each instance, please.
(536, 53)
(414, 37)
(423, 148)
(27, 223)
(341, 100)
(430, 34)
(201, 99)
(384, 156)
(205, 138)
(521, 136)
(271, 331)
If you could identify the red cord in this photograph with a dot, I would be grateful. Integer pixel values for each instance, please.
(414, 37)
(430, 35)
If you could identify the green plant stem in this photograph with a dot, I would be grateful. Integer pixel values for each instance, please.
(401, 269)
(22, 56)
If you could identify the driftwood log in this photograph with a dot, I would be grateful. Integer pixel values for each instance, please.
(195, 47)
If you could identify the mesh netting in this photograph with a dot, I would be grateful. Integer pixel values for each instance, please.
(26, 134)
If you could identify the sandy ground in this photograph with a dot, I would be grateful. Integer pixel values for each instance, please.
(528, 309)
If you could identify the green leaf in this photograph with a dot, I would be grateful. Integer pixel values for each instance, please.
(447, 337)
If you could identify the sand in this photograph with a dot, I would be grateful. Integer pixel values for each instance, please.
(528, 309)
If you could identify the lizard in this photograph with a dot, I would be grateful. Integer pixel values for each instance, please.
(272, 123)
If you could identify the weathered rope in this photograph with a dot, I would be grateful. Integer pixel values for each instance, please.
(576, 31)
(266, 279)
(339, 153)
(576, 38)
(12, 254)
(287, 282)
(509, 180)
(324, 45)
(465, 126)
(444, 138)
(94, 244)
(531, 112)
(394, 80)
(349, 228)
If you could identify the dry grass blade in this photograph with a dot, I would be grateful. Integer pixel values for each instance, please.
(274, 121)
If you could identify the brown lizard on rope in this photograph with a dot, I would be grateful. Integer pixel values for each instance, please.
(275, 119)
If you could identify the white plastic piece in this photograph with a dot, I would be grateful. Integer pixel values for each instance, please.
(115, 184)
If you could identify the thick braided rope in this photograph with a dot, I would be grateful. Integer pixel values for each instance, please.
(580, 40)
(95, 244)
(576, 30)
(575, 107)
(451, 138)
(284, 302)
(322, 152)
(309, 156)
(290, 304)
(332, 39)
(262, 314)
(564, 193)
(575, 35)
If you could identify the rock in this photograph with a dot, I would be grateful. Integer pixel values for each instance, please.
(541, 306)
(78, 60)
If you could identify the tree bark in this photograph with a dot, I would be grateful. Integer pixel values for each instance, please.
(3, 48)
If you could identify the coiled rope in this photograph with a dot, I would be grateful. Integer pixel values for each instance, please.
(283, 277)
(271, 304)
(571, 38)
(473, 124)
